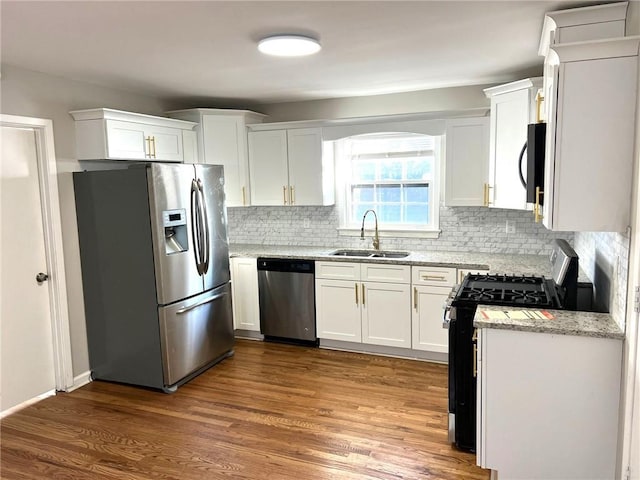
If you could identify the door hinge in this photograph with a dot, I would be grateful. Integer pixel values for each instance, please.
(636, 300)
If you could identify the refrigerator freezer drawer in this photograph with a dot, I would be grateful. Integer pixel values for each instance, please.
(195, 333)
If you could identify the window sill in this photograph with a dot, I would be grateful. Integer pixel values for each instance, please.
(387, 233)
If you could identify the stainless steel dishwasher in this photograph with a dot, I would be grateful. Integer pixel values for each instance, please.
(286, 289)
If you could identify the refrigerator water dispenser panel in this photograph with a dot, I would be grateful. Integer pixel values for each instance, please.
(175, 231)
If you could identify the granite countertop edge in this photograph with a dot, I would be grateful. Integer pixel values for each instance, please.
(566, 322)
(498, 263)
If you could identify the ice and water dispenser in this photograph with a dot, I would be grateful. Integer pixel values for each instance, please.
(175, 231)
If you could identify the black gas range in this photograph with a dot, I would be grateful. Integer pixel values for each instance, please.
(558, 292)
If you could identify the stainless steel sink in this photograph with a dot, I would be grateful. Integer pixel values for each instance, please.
(390, 254)
(369, 253)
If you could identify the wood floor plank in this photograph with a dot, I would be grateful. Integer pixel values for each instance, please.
(271, 411)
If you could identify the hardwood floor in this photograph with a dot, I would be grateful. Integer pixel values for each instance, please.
(270, 412)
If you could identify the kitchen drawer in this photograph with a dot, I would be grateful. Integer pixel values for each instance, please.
(338, 270)
(375, 272)
(433, 276)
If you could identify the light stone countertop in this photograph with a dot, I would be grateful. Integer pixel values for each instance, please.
(566, 322)
(508, 264)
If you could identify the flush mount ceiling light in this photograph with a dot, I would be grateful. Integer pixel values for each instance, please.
(289, 45)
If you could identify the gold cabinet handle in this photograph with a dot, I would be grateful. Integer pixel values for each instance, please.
(244, 196)
(152, 151)
(485, 200)
(474, 339)
(537, 216)
(415, 298)
(539, 100)
(440, 278)
(362, 294)
(284, 194)
(147, 152)
(356, 285)
(292, 195)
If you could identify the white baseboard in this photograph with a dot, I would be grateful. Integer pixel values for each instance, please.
(26, 403)
(80, 380)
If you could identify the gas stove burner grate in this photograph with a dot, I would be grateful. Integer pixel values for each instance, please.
(506, 290)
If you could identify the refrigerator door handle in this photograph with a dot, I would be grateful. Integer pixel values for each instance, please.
(206, 254)
(195, 227)
(199, 304)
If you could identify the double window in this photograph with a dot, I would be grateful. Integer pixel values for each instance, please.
(394, 174)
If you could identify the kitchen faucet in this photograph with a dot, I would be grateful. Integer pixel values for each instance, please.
(376, 237)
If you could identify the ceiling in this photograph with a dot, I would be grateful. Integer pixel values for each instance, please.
(188, 50)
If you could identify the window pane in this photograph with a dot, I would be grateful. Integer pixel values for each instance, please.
(389, 214)
(362, 193)
(416, 214)
(416, 193)
(390, 170)
(363, 170)
(419, 168)
(359, 209)
(389, 193)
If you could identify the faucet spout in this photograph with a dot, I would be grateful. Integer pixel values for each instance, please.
(376, 236)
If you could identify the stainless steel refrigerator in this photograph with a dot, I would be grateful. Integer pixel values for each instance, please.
(155, 272)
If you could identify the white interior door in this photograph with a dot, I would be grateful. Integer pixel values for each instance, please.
(26, 357)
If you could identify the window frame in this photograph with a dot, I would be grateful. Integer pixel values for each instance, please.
(344, 184)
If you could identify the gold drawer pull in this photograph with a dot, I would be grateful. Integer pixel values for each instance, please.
(415, 298)
(440, 278)
(363, 294)
(356, 285)
(284, 194)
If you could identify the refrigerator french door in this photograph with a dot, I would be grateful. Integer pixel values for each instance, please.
(155, 268)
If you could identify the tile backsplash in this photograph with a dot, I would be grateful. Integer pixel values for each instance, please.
(476, 229)
(604, 257)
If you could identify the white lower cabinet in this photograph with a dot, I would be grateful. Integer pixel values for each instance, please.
(431, 287)
(547, 404)
(244, 287)
(427, 330)
(338, 310)
(385, 314)
(351, 307)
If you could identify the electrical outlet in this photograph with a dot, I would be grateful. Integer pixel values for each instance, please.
(510, 227)
(306, 223)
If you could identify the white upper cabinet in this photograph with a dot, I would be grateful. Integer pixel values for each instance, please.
(222, 140)
(513, 107)
(287, 167)
(268, 166)
(105, 134)
(466, 161)
(590, 88)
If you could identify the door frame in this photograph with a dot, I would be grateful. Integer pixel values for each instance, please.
(52, 226)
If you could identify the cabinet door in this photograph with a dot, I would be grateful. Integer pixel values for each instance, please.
(224, 144)
(594, 134)
(426, 319)
(244, 284)
(466, 161)
(338, 310)
(268, 167)
(510, 113)
(305, 166)
(126, 140)
(385, 314)
(165, 144)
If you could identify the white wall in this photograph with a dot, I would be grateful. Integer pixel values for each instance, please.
(33, 94)
(458, 98)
